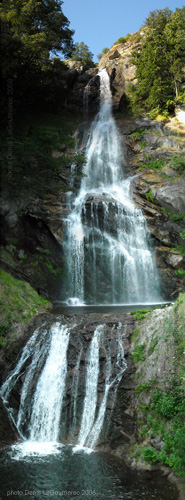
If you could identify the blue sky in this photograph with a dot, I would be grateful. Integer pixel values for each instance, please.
(99, 23)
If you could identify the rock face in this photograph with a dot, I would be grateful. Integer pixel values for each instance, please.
(84, 94)
(122, 71)
(82, 88)
(38, 231)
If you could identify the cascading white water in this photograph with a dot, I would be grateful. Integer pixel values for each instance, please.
(40, 413)
(48, 397)
(107, 250)
(91, 424)
(90, 401)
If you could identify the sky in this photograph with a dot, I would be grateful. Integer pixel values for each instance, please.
(99, 23)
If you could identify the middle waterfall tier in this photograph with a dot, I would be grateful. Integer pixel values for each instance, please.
(65, 382)
(107, 247)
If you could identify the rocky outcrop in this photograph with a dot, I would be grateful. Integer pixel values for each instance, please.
(84, 96)
(118, 63)
(82, 88)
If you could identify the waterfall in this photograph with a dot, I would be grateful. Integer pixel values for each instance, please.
(107, 247)
(47, 404)
(116, 378)
(90, 401)
(50, 388)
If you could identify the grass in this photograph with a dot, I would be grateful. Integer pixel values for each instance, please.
(139, 353)
(140, 314)
(19, 302)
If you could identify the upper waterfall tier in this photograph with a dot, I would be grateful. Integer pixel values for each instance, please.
(107, 247)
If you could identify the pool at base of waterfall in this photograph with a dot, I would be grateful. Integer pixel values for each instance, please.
(63, 473)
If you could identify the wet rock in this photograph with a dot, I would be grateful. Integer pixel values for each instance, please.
(8, 433)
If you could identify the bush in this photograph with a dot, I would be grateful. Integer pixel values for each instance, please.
(123, 39)
(150, 455)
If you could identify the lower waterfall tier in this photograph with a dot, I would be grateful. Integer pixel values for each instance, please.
(69, 383)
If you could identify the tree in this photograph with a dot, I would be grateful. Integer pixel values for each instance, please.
(175, 37)
(161, 59)
(83, 54)
(157, 19)
(30, 31)
(35, 28)
(102, 53)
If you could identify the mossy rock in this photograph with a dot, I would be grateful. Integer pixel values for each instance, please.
(19, 303)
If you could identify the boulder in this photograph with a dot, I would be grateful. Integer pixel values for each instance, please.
(172, 197)
(114, 55)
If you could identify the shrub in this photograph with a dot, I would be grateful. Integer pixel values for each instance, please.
(150, 455)
(149, 196)
(123, 39)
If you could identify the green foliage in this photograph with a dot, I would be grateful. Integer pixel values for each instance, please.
(35, 28)
(176, 217)
(160, 62)
(42, 258)
(179, 249)
(149, 196)
(30, 33)
(154, 164)
(139, 353)
(19, 302)
(82, 53)
(182, 234)
(152, 346)
(140, 314)
(181, 98)
(164, 414)
(123, 39)
(178, 163)
(103, 52)
(138, 133)
(165, 418)
(145, 386)
(150, 455)
(180, 272)
(170, 402)
(136, 103)
(134, 37)
(157, 19)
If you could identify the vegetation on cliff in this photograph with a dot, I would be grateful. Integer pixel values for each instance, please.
(160, 63)
(19, 303)
(158, 349)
